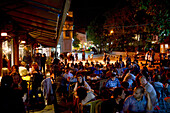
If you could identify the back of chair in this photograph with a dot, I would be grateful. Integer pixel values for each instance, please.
(102, 83)
(90, 106)
(98, 106)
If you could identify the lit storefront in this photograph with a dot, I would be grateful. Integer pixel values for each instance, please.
(7, 50)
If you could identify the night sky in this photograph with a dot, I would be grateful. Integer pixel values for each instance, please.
(86, 10)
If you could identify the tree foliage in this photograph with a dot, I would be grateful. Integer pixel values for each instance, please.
(148, 18)
(159, 18)
(96, 31)
(76, 42)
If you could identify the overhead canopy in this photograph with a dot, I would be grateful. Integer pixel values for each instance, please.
(41, 19)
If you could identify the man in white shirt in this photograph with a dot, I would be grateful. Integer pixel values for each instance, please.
(150, 89)
(22, 69)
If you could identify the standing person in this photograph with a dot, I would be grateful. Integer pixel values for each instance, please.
(108, 59)
(120, 58)
(5, 61)
(168, 54)
(43, 61)
(147, 55)
(28, 60)
(104, 57)
(76, 56)
(138, 102)
(83, 56)
(152, 57)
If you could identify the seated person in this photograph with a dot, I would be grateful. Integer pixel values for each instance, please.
(98, 71)
(158, 85)
(19, 84)
(150, 89)
(125, 86)
(112, 82)
(81, 82)
(14, 69)
(167, 85)
(67, 75)
(20, 88)
(138, 102)
(130, 78)
(7, 97)
(22, 69)
(93, 76)
(114, 105)
(84, 95)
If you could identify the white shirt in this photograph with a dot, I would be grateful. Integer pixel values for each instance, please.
(23, 71)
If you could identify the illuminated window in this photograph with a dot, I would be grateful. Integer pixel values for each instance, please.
(166, 45)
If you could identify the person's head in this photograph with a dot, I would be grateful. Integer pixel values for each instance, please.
(6, 82)
(156, 78)
(4, 72)
(16, 78)
(23, 63)
(125, 85)
(79, 78)
(143, 80)
(4, 56)
(138, 92)
(35, 65)
(15, 68)
(119, 93)
(81, 93)
(67, 70)
(113, 76)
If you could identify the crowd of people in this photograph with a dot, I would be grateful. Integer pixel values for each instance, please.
(123, 86)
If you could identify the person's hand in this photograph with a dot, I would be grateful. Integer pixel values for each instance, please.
(147, 94)
(112, 89)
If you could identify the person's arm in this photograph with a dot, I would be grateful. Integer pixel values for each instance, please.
(126, 105)
(75, 87)
(149, 104)
(118, 83)
(86, 85)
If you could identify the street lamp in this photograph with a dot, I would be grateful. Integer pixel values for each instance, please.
(111, 35)
(111, 32)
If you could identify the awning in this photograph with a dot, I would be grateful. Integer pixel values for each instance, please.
(41, 19)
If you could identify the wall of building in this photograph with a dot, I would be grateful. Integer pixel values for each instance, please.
(82, 38)
(66, 37)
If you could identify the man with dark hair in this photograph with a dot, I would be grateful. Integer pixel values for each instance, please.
(7, 96)
(113, 82)
(85, 95)
(150, 89)
(138, 102)
(115, 104)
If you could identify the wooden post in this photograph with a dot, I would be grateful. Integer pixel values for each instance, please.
(16, 51)
(0, 56)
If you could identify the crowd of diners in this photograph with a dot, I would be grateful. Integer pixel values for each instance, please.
(123, 86)
(119, 86)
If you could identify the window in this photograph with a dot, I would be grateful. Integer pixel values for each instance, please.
(67, 33)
